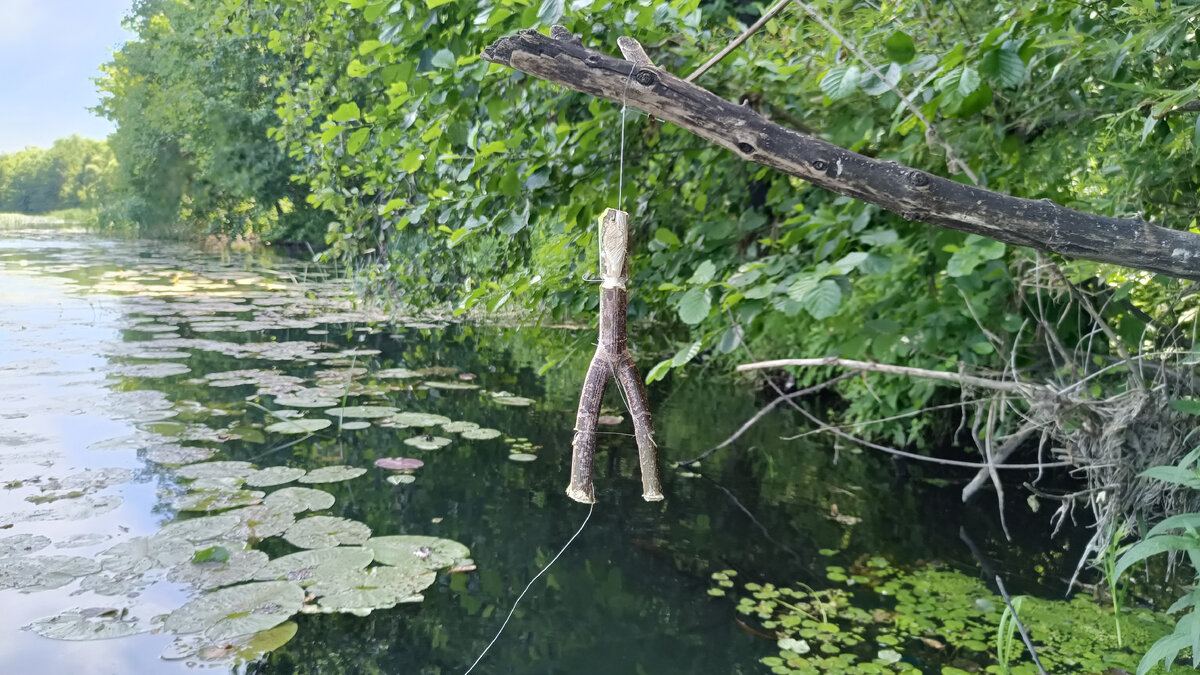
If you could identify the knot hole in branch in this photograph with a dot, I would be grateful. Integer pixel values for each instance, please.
(918, 179)
(645, 78)
(746, 148)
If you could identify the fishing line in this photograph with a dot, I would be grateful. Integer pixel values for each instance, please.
(591, 507)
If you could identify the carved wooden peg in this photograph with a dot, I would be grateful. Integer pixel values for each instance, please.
(613, 360)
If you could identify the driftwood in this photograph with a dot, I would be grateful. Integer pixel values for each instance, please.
(914, 194)
(612, 359)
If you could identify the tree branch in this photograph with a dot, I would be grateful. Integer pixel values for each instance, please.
(909, 192)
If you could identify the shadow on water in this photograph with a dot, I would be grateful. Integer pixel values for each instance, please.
(628, 597)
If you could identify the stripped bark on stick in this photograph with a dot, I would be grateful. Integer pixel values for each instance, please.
(909, 192)
(612, 360)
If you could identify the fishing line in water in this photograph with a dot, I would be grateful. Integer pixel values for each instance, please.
(591, 507)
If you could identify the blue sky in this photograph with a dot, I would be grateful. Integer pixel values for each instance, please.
(49, 51)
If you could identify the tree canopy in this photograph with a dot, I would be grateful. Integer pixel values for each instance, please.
(74, 173)
(376, 128)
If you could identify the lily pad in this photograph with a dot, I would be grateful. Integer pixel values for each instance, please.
(326, 532)
(307, 567)
(140, 554)
(215, 469)
(82, 540)
(297, 499)
(299, 401)
(427, 442)
(22, 544)
(178, 454)
(217, 500)
(419, 419)
(332, 474)
(196, 530)
(459, 427)
(449, 385)
(95, 623)
(232, 651)
(522, 457)
(129, 584)
(417, 552)
(298, 426)
(273, 475)
(261, 521)
(397, 373)
(355, 425)
(217, 483)
(402, 479)
(399, 463)
(240, 566)
(360, 591)
(43, 572)
(482, 434)
(363, 411)
(238, 610)
(516, 401)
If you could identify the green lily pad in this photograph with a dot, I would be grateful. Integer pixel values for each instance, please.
(522, 457)
(361, 591)
(96, 623)
(240, 566)
(82, 540)
(299, 401)
(177, 454)
(217, 483)
(326, 532)
(363, 411)
(482, 434)
(355, 425)
(332, 474)
(215, 470)
(22, 544)
(419, 419)
(297, 426)
(459, 427)
(516, 401)
(417, 552)
(297, 499)
(43, 572)
(261, 521)
(217, 500)
(273, 475)
(397, 373)
(130, 584)
(427, 442)
(140, 554)
(196, 530)
(449, 385)
(92, 479)
(402, 479)
(238, 610)
(307, 567)
(233, 651)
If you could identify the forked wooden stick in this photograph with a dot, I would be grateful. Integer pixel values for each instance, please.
(612, 359)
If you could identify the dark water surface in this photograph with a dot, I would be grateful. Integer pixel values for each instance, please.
(104, 351)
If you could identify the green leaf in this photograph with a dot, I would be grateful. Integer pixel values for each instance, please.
(1174, 475)
(1190, 406)
(848, 262)
(1166, 649)
(683, 356)
(840, 81)
(694, 306)
(879, 237)
(1183, 521)
(900, 47)
(411, 161)
(1153, 546)
(659, 371)
(667, 237)
(211, 554)
(346, 112)
(492, 148)
(444, 58)
(432, 4)
(730, 339)
(1004, 67)
(368, 46)
(357, 140)
(802, 286)
(703, 274)
(550, 12)
(823, 301)
(1196, 140)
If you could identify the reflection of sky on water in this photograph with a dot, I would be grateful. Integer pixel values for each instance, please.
(52, 407)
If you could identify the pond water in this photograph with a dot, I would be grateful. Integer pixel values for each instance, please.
(126, 368)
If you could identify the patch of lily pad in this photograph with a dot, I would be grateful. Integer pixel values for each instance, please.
(332, 474)
(94, 623)
(302, 425)
(237, 610)
(307, 567)
(298, 499)
(273, 475)
(481, 434)
(362, 411)
(427, 442)
(326, 532)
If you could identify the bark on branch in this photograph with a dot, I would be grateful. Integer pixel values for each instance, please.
(909, 192)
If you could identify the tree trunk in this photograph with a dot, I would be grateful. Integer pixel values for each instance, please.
(911, 193)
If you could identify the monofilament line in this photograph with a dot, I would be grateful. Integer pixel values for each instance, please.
(529, 585)
(621, 164)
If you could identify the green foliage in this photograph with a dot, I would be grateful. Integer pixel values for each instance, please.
(441, 179)
(880, 619)
(73, 174)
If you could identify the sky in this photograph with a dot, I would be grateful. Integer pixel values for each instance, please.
(49, 52)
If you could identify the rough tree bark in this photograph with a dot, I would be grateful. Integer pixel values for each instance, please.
(612, 359)
(909, 192)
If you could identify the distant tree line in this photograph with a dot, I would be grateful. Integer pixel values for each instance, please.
(74, 173)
